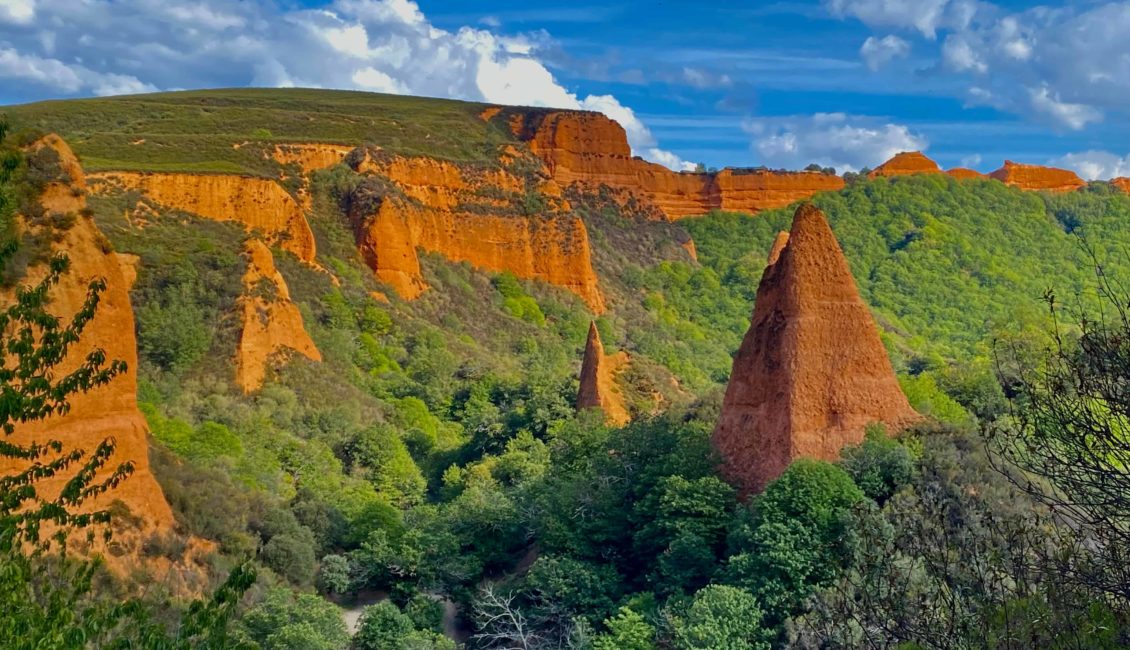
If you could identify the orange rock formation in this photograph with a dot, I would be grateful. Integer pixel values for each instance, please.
(258, 203)
(467, 215)
(1122, 183)
(961, 173)
(271, 322)
(906, 163)
(589, 148)
(109, 411)
(1036, 177)
(598, 381)
(811, 373)
(311, 156)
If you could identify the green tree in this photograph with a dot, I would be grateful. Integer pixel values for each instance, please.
(721, 618)
(627, 630)
(789, 542)
(384, 627)
(284, 617)
(880, 465)
(334, 575)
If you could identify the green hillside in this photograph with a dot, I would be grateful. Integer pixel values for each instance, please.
(435, 451)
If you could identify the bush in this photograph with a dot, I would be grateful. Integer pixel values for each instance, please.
(879, 465)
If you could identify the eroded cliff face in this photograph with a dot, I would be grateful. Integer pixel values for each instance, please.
(599, 388)
(467, 214)
(592, 149)
(272, 324)
(259, 204)
(1036, 177)
(109, 411)
(311, 156)
(811, 372)
(905, 164)
(1122, 183)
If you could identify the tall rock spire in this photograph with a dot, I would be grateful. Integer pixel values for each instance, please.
(598, 381)
(811, 373)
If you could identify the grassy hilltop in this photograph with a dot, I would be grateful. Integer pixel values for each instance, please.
(196, 130)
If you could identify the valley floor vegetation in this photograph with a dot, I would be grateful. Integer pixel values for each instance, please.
(433, 464)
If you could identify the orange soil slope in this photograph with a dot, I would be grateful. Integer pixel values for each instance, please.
(258, 203)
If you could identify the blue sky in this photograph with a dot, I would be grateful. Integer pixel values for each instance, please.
(783, 83)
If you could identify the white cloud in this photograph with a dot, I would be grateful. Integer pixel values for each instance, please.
(971, 160)
(1074, 116)
(926, 16)
(959, 55)
(877, 52)
(128, 46)
(1095, 165)
(19, 12)
(66, 78)
(846, 142)
(1066, 65)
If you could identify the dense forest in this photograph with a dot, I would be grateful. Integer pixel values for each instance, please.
(433, 474)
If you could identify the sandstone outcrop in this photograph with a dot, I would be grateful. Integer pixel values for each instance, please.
(1036, 177)
(905, 164)
(1121, 183)
(108, 411)
(311, 156)
(599, 388)
(272, 323)
(591, 149)
(963, 173)
(259, 204)
(811, 372)
(466, 214)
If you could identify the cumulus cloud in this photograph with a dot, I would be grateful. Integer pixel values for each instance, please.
(1063, 65)
(18, 12)
(1095, 165)
(67, 78)
(1073, 115)
(846, 142)
(878, 52)
(925, 16)
(77, 48)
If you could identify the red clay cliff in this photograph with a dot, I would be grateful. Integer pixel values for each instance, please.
(811, 373)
